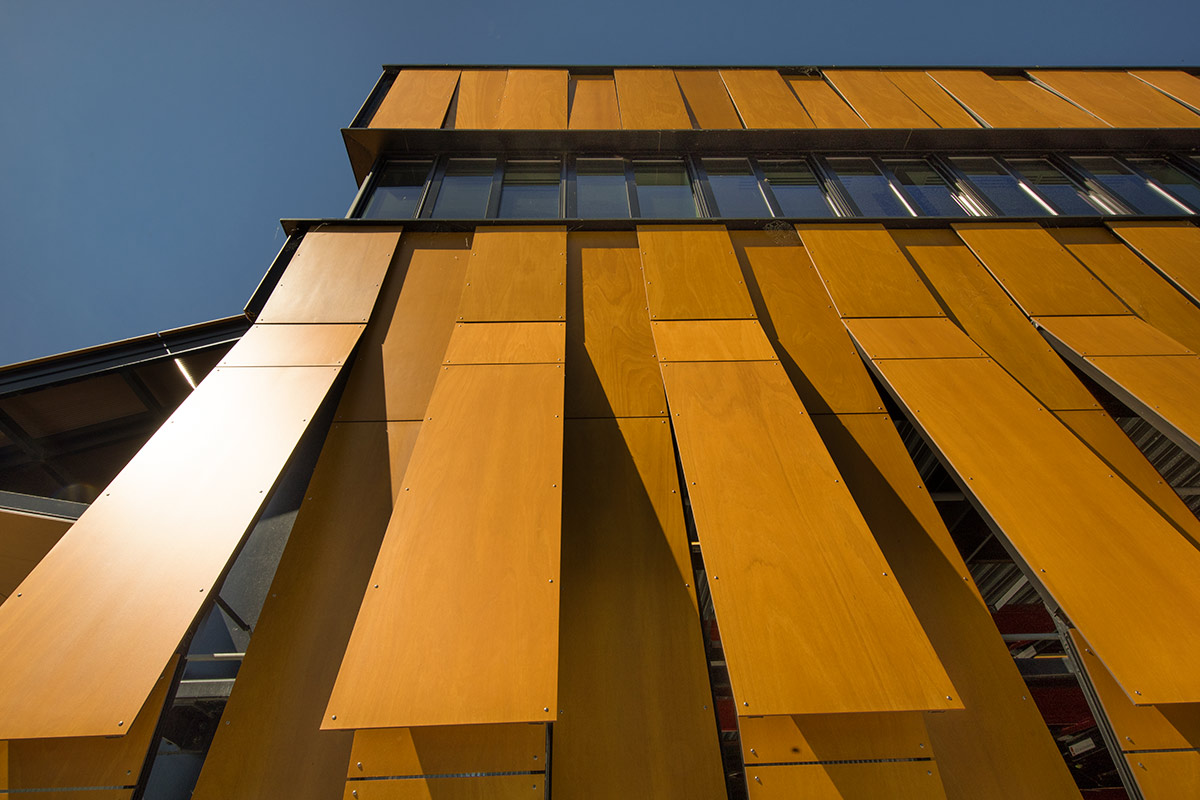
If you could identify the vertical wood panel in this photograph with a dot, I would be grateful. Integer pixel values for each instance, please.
(823, 104)
(708, 98)
(1111, 336)
(833, 737)
(479, 94)
(650, 99)
(24, 541)
(594, 103)
(534, 99)
(456, 749)
(712, 340)
(506, 343)
(1170, 246)
(1012, 102)
(1119, 98)
(692, 273)
(481, 787)
(764, 100)
(418, 98)
(1183, 86)
(897, 780)
(516, 275)
(877, 100)
(293, 346)
(931, 98)
(1166, 776)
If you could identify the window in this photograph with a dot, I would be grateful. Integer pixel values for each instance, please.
(600, 188)
(796, 189)
(869, 189)
(466, 188)
(1130, 187)
(735, 188)
(398, 190)
(1054, 186)
(530, 189)
(664, 190)
(927, 188)
(1171, 178)
(1005, 192)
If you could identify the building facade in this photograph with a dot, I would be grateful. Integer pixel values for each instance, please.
(648, 432)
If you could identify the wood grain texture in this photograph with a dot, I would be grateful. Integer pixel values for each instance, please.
(1162, 389)
(516, 274)
(691, 273)
(823, 104)
(418, 98)
(712, 340)
(460, 623)
(594, 103)
(1166, 776)
(1118, 98)
(484, 787)
(708, 99)
(294, 346)
(929, 95)
(833, 737)
(633, 679)
(451, 750)
(1183, 86)
(912, 337)
(92, 642)
(650, 100)
(479, 94)
(1170, 247)
(333, 277)
(877, 100)
(865, 273)
(270, 742)
(898, 780)
(1016, 103)
(611, 365)
(24, 541)
(764, 100)
(785, 547)
(1129, 595)
(534, 99)
(507, 343)
(1111, 336)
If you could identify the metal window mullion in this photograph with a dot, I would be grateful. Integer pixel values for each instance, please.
(1185, 165)
(635, 210)
(764, 186)
(1072, 180)
(1020, 179)
(906, 199)
(493, 204)
(965, 185)
(838, 196)
(367, 189)
(956, 183)
(1091, 184)
(1136, 170)
(568, 195)
(434, 187)
(706, 201)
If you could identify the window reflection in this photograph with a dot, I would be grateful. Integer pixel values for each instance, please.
(796, 189)
(465, 189)
(1005, 191)
(735, 187)
(530, 189)
(1135, 190)
(927, 188)
(1054, 186)
(600, 189)
(1171, 178)
(663, 189)
(869, 189)
(398, 190)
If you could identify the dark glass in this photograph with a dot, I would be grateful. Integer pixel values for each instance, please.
(735, 188)
(870, 191)
(1001, 188)
(600, 188)
(796, 189)
(663, 189)
(1171, 178)
(530, 189)
(1054, 186)
(1129, 186)
(398, 190)
(465, 189)
(927, 188)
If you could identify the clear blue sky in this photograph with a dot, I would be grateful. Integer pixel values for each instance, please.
(150, 148)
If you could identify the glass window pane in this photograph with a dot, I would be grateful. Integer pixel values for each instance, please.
(600, 189)
(1173, 179)
(735, 187)
(796, 189)
(1002, 189)
(465, 189)
(663, 189)
(927, 188)
(870, 191)
(1131, 188)
(1054, 186)
(398, 190)
(530, 189)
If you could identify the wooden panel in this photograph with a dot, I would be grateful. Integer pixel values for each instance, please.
(833, 737)
(1166, 776)
(507, 343)
(1044, 279)
(611, 369)
(460, 625)
(1119, 98)
(1161, 388)
(270, 742)
(764, 100)
(1015, 103)
(594, 103)
(479, 94)
(877, 100)
(708, 98)
(81, 794)
(24, 541)
(990, 317)
(650, 99)
(516, 275)
(932, 98)
(1111, 336)
(865, 273)
(89, 643)
(796, 312)
(417, 99)
(1170, 247)
(823, 104)
(333, 277)
(294, 346)
(1128, 595)
(403, 347)
(457, 749)
(633, 680)
(896, 780)
(484, 787)
(534, 99)
(912, 337)
(712, 340)
(1183, 86)
(783, 541)
(692, 273)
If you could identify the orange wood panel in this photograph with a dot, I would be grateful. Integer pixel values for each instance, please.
(1012, 102)
(1111, 336)
(932, 98)
(823, 104)
(764, 100)
(912, 337)
(92, 642)
(516, 275)
(1183, 86)
(877, 100)
(1137, 283)
(1043, 278)
(784, 542)
(405, 342)
(81, 794)
(649, 99)
(479, 94)
(456, 749)
(833, 737)
(482, 787)
(3, 765)
(712, 340)
(24, 541)
(1119, 98)
(1129, 595)
(633, 680)
(708, 98)
(865, 273)
(270, 742)
(798, 315)
(460, 623)
(1170, 247)
(691, 273)
(418, 98)
(534, 99)
(507, 343)
(294, 346)
(333, 277)
(896, 780)
(1161, 388)
(1166, 776)
(611, 365)
(594, 103)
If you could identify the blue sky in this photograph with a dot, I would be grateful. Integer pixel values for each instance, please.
(150, 148)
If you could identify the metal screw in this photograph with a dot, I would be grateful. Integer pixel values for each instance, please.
(119, 724)
(359, 765)
(547, 708)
